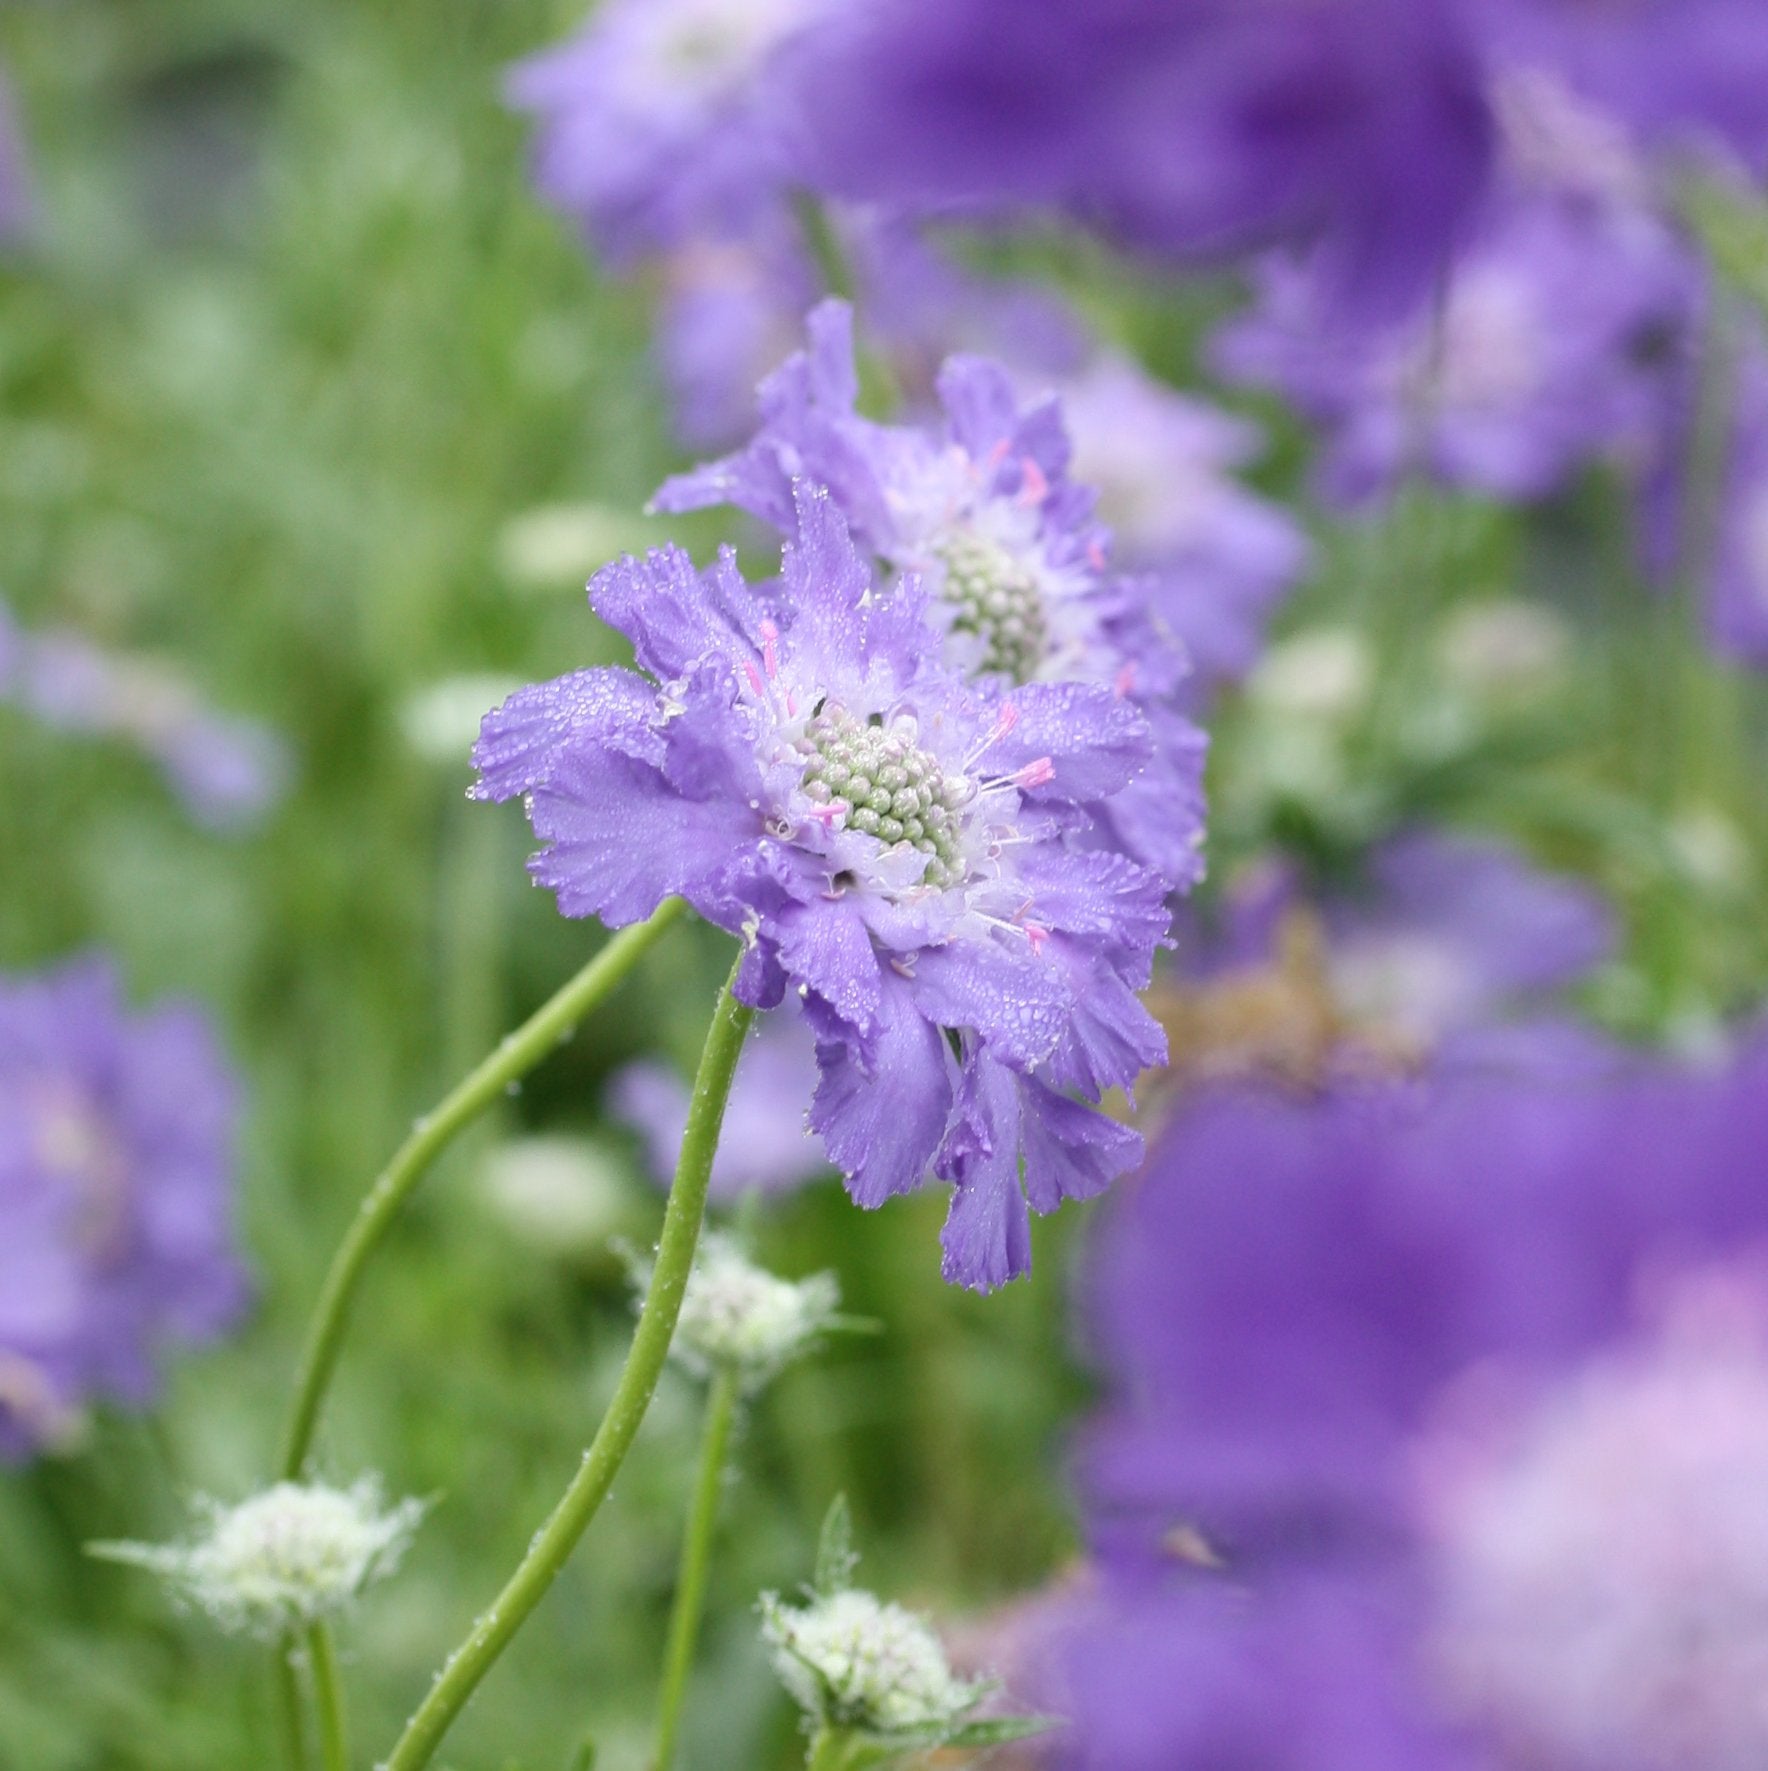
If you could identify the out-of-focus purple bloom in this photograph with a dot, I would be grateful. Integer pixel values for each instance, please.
(733, 309)
(116, 1178)
(1458, 1460)
(1689, 73)
(766, 1146)
(1187, 126)
(659, 122)
(1162, 464)
(903, 849)
(1438, 940)
(15, 184)
(229, 773)
(1544, 353)
(980, 510)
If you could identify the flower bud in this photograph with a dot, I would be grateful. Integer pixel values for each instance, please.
(853, 1661)
(283, 1559)
(736, 1315)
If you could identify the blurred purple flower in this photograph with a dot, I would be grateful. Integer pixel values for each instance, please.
(1187, 126)
(1687, 72)
(15, 183)
(1544, 354)
(229, 773)
(659, 123)
(1162, 463)
(734, 308)
(1435, 1428)
(767, 1147)
(116, 1180)
(897, 846)
(980, 510)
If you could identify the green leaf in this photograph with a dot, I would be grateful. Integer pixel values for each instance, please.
(998, 1730)
(835, 1557)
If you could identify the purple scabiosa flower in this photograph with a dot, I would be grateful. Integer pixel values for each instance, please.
(766, 1146)
(659, 122)
(982, 512)
(1190, 127)
(1684, 73)
(1162, 463)
(15, 184)
(904, 850)
(1458, 1460)
(228, 773)
(115, 1188)
(1544, 353)
(1437, 942)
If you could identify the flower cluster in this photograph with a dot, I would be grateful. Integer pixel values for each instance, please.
(116, 1178)
(916, 856)
(853, 1660)
(285, 1558)
(738, 1317)
(1458, 1460)
(983, 514)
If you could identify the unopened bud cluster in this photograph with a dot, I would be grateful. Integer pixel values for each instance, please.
(889, 786)
(737, 1316)
(285, 1558)
(997, 598)
(852, 1660)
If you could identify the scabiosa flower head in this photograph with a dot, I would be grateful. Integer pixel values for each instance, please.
(982, 513)
(1603, 1556)
(766, 1146)
(895, 845)
(853, 1660)
(657, 121)
(1162, 463)
(1184, 126)
(739, 1317)
(1543, 354)
(285, 1558)
(1687, 74)
(1456, 1507)
(116, 1176)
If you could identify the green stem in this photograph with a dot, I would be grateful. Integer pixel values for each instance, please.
(288, 1706)
(828, 1751)
(548, 1552)
(328, 1699)
(696, 1560)
(513, 1058)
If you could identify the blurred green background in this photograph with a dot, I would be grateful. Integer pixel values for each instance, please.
(291, 381)
(301, 388)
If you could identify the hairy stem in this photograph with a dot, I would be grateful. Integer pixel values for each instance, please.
(696, 1560)
(288, 1705)
(328, 1700)
(513, 1058)
(548, 1552)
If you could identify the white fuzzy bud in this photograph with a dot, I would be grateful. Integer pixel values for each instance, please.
(853, 1661)
(284, 1558)
(738, 1316)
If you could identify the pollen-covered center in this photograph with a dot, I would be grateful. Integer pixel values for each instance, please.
(887, 786)
(997, 598)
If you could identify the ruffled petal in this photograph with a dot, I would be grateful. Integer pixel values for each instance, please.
(987, 1235)
(520, 741)
(674, 614)
(882, 1114)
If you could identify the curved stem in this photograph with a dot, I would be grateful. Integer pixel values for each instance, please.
(514, 1057)
(828, 1751)
(696, 1560)
(288, 1706)
(328, 1699)
(548, 1552)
